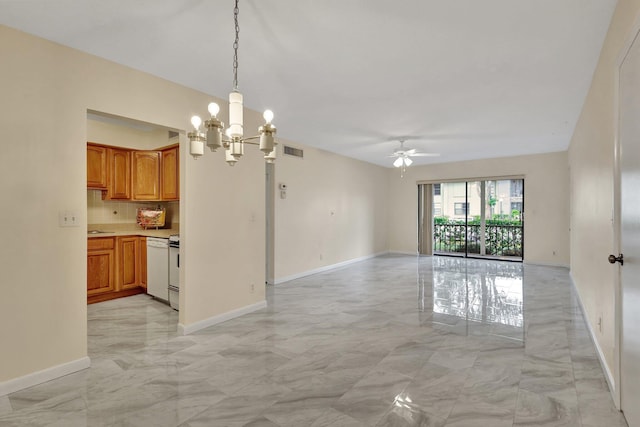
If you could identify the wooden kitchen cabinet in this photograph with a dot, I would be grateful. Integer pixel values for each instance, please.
(119, 162)
(170, 176)
(128, 249)
(96, 167)
(145, 170)
(116, 267)
(143, 262)
(126, 174)
(100, 266)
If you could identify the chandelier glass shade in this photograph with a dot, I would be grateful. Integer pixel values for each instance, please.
(232, 139)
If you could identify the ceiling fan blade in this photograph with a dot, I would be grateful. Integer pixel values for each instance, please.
(425, 155)
(410, 152)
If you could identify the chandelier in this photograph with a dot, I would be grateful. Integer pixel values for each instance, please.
(233, 139)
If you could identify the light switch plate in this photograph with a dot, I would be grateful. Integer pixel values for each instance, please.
(68, 219)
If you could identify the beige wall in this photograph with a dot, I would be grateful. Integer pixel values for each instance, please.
(591, 161)
(142, 138)
(546, 186)
(46, 92)
(335, 211)
(223, 223)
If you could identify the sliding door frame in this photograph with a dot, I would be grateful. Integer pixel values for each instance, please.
(422, 184)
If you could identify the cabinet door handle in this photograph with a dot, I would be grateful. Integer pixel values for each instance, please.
(178, 260)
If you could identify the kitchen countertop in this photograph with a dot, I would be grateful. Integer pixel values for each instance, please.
(117, 230)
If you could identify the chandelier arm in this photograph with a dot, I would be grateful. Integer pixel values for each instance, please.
(250, 139)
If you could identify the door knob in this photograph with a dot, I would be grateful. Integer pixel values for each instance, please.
(613, 259)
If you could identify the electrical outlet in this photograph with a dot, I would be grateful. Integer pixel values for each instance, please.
(600, 323)
(68, 219)
(253, 288)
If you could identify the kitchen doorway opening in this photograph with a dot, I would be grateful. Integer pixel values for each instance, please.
(134, 175)
(472, 218)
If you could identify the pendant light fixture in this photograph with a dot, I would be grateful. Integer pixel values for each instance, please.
(233, 139)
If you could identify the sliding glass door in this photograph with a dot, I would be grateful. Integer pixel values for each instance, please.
(478, 218)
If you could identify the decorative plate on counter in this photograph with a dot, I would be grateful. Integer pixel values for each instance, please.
(150, 218)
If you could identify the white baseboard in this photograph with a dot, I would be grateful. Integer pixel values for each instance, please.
(545, 264)
(280, 280)
(193, 327)
(603, 362)
(404, 253)
(43, 376)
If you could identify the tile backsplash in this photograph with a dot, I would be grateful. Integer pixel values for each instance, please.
(114, 212)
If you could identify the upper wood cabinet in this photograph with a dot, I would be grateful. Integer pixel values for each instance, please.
(170, 184)
(96, 167)
(126, 174)
(145, 170)
(119, 174)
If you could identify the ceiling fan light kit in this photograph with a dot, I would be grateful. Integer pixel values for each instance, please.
(233, 139)
(403, 157)
(402, 161)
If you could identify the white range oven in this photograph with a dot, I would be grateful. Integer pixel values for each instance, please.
(174, 271)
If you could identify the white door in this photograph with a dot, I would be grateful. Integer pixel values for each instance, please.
(629, 161)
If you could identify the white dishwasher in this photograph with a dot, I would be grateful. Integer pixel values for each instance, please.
(174, 271)
(158, 268)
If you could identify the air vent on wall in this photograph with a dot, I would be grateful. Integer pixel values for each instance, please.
(291, 151)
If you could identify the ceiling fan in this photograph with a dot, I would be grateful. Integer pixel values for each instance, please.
(403, 156)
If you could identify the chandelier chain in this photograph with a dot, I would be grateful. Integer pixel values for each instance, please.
(236, 10)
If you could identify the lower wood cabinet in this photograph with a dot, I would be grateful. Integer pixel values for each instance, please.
(143, 262)
(101, 262)
(128, 262)
(116, 267)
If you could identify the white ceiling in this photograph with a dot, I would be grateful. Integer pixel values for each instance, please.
(464, 78)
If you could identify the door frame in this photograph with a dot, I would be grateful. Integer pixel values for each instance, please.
(270, 204)
(466, 181)
(617, 220)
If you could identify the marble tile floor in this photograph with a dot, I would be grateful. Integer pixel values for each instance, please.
(391, 341)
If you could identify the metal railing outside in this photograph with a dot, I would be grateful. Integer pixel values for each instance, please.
(500, 240)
